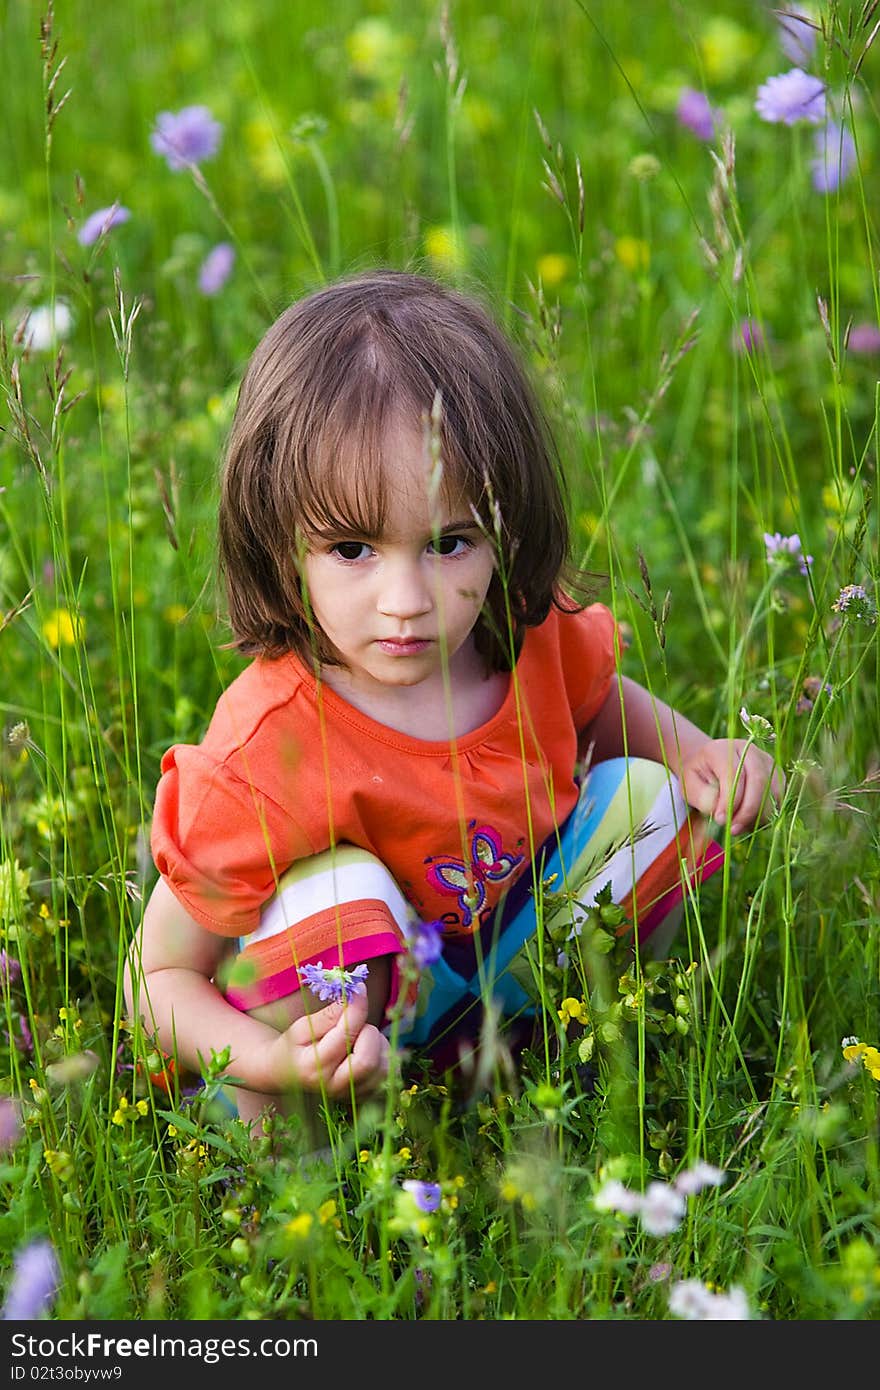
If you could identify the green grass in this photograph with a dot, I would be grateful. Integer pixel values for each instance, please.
(682, 451)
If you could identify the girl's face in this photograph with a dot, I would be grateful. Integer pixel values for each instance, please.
(401, 606)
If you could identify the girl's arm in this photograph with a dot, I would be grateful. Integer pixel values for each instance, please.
(724, 778)
(168, 980)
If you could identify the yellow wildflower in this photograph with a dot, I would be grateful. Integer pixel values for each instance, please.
(633, 253)
(299, 1226)
(553, 269)
(327, 1212)
(726, 48)
(446, 246)
(866, 1053)
(63, 629)
(573, 1009)
(266, 155)
(60, 1163)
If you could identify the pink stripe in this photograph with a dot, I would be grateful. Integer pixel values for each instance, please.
(713, 858)
(287, 981)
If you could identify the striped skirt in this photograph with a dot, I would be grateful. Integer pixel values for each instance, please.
(630, 833)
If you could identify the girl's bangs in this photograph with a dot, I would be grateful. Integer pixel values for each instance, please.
(344, 484)
(342, 487)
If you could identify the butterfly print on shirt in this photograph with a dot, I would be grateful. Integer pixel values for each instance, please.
(466, 882)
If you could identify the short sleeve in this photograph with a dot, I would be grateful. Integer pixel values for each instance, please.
(589, 645)
(218, 842)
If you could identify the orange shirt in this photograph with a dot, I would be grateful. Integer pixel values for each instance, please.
(287, 768)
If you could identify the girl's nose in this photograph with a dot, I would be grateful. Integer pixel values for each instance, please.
(405, 591)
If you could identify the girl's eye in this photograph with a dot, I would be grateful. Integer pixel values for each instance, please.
(351, 550)
(450, 545)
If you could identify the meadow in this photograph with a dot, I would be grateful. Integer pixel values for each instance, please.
(687, 253)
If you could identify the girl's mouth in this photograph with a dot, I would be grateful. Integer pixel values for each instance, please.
(403, 646)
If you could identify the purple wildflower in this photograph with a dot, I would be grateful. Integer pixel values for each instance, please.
(835, 157)
(216, 268)
(10, 1123)
(423, 1283)
(425, 941)
(749, 337)
(23, 1039)
(334, 983)
(864, 338)
(797, 36)
(790, 97)
(426, 1194)
(10, 969)
(34, 1282)
(101, 222)
(781, 549)
(186, 137)
(855, 602)
(811, 688)
(695, 113)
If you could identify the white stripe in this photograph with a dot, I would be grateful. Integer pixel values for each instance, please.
(346, 883)
(625, 868)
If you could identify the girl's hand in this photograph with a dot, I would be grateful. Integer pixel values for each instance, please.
(334, 1051)
(731, 776)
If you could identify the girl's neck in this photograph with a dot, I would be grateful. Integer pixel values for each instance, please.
(432, 710)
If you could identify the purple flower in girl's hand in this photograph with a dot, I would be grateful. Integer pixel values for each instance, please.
(425, 941)
(334, 983)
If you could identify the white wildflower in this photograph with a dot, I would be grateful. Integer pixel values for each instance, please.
(757, 726)
(46, 326)
(698, 1176)
(613, 1196)
(691, 1299)
(662, 1209)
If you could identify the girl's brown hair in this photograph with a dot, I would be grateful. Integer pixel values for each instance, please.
(305, 450)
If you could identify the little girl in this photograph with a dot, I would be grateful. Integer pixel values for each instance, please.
(384, 791)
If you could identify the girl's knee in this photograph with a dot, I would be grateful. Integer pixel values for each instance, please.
(338, 909)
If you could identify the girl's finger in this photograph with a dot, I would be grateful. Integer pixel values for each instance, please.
(367, 1063)
(314, 1027)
